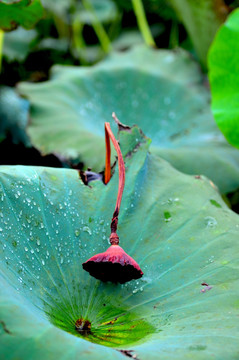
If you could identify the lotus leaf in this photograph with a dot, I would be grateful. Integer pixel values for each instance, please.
(20, 12)
(201, 19)
(177, 228)
(18, 44)
(223, 65)
(13, 115)
(161, 91)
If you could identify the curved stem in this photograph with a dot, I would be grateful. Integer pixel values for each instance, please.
(107, 156)
(142, 22)
(109, 135)
(98, 27)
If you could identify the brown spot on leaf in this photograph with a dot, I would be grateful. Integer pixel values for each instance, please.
(129, 353)
(5, 329)
(83, 326)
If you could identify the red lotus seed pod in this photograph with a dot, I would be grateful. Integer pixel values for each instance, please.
(113, 265)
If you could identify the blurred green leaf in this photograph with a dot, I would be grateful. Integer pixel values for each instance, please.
(90, 54)
(128, 39)
(18, 44)
(59, 7)
(13, 115)
(53, 44)
(131, 37)
(201, 19)
(105, 10)
(50, 223)
(23, 12)
(162, 91)
(223, 63)
(159, 7)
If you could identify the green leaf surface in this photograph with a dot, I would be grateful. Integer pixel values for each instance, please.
(18, 44)
(23, 12)
(223, 62)
(14, 116)
(175, 226)
(60, 45)
(104, 10)
(130, 38)
(161, 91)
(59, 7)
(201, 19)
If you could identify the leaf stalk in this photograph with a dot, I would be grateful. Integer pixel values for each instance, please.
(142, 22)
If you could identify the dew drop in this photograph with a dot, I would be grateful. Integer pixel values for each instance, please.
(172, 114)
(87, 229)
(211, 259)
(77, 232)
(210, 222)
(135, 291)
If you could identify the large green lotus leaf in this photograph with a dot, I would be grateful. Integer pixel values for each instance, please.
(223, 63)
(162, 91)
(20, 12)
(175, 226)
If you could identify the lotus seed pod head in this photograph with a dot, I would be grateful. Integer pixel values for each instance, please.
(113, 265)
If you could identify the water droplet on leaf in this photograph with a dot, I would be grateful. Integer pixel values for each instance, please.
(210, 221)
(87, 229)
